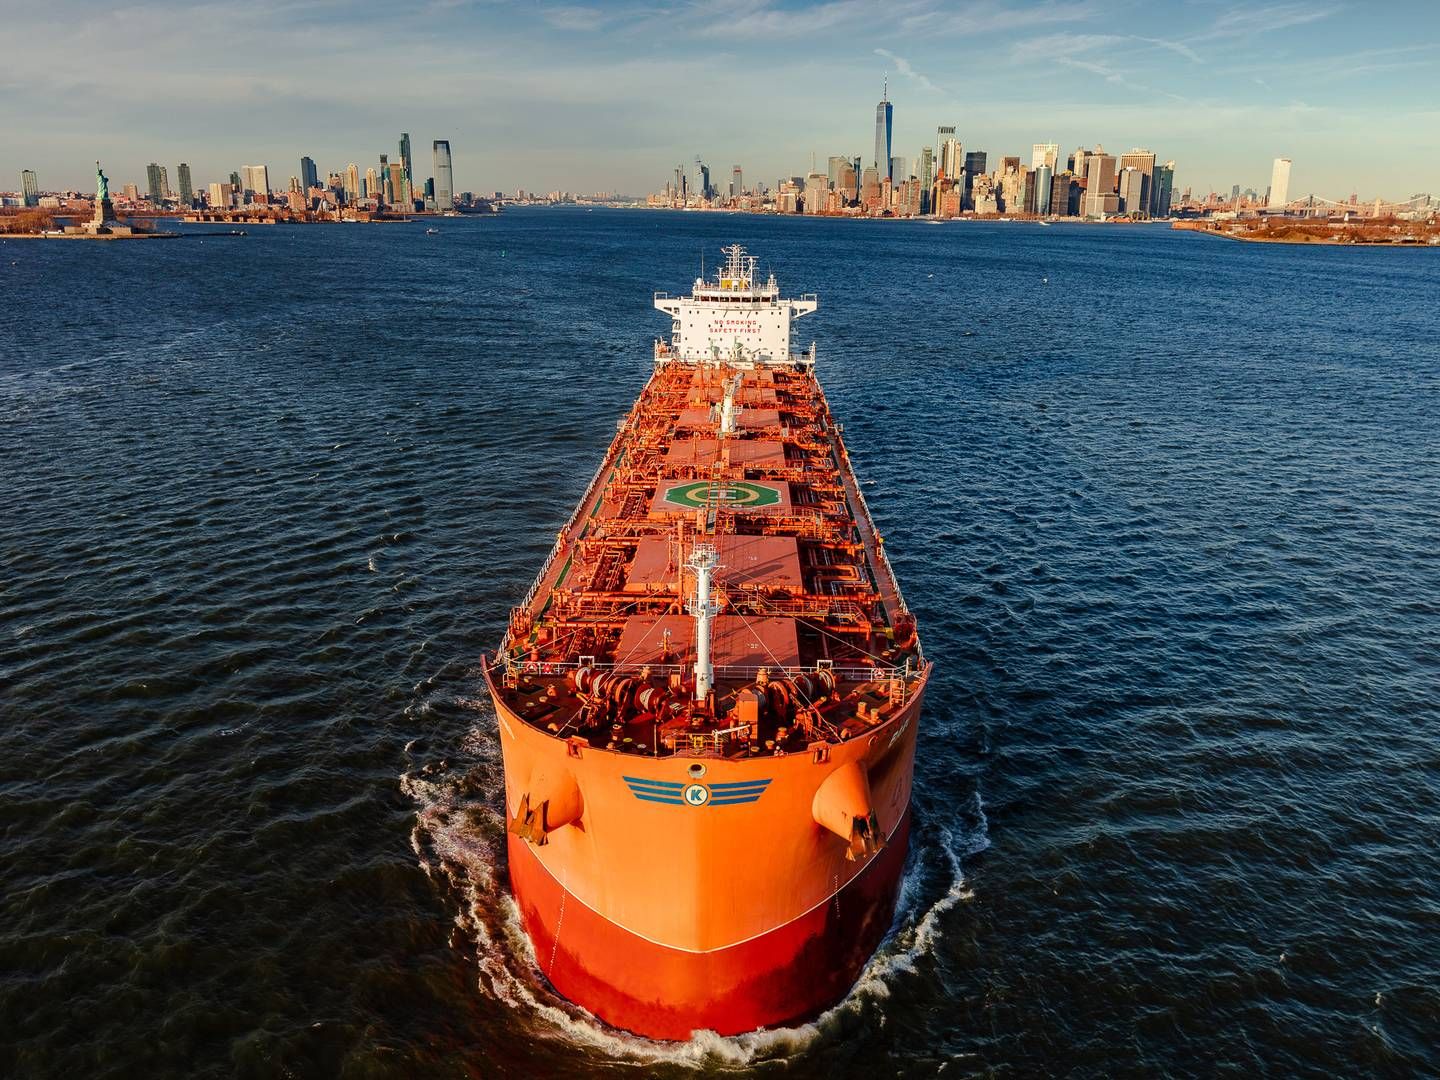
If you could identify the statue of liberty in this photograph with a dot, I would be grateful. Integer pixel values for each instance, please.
(102, 185)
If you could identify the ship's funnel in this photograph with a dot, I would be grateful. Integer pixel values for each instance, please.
(549, 800)
(842, 805)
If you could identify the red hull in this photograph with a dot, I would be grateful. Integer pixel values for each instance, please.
(788, 975)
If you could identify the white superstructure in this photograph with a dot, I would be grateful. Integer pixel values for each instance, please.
(733, 319)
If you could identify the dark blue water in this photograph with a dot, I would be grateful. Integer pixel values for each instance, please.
(1166, 505)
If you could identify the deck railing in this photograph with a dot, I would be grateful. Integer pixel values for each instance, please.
(739, 672)
(563, 536)
(881, 559)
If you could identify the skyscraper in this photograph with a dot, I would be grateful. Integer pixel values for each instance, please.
(737, 182)
(927, 177)
(817, 188)
(372, 184)
(1011, 184)
(187, 188)
(406, 162)
(1061, 198)
(1044, 154)
(219, 196)
(29, 188)
(154, 184)
(399, 187)
(898, 172)
(870, 188)
(1100, 197)
(1044, 175)
(838, 165)
(948, 147)
(352, 182)
(1143, 161)
(884, 123)
(1160, 193)
(256, 180)
(974, 166)
(444, 174)
(1280, 183)
(1132, 188)
(309, 177)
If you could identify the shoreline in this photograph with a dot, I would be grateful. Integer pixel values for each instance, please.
(1224, 234)
(1420, 244)
(1384, 234)
(91, 236)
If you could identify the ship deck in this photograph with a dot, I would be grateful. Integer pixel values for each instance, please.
(813, 643)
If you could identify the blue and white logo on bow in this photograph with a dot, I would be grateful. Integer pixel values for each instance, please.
(675, 793)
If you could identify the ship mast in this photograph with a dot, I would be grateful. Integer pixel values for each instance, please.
(704, 562)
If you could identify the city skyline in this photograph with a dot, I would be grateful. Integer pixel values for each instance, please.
(573, 98)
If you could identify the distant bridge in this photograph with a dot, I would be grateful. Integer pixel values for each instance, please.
(1377, 208)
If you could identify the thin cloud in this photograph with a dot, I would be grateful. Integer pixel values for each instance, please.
(1052, 47)
(1177, 47)
(1243, 22)
(1326, 69)
(763, 20)
(904, 68)
(577, 19)
(1109, 74)
(987, 17)
(1115, 77)
(1375, 69)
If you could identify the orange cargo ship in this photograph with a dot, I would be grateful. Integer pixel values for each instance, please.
(708, 700)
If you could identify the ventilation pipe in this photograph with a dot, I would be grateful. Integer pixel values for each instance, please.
(704, 562)
(728, 409)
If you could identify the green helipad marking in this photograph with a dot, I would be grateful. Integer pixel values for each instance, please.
(700, 493)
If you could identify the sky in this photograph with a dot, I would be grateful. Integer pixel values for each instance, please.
(587, 97)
